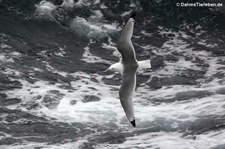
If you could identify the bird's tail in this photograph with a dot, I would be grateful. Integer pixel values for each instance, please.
(144, 64)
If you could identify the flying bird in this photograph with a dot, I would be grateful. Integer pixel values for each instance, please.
(128, 67)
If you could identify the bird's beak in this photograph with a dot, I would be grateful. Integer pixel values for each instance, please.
(107, 70)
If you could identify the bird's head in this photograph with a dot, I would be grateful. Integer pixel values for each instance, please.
(115, 67)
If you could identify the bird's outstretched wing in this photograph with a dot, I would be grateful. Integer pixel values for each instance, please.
(124, 44)
(126, 93)
(130, 65)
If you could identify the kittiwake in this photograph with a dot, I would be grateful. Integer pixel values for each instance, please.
(128, 67)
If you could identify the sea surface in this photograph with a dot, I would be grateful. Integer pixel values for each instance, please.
(55, 95)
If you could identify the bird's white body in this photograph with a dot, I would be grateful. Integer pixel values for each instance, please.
(118, 67)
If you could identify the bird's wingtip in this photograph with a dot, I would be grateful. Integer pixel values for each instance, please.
(133, 123)
(133, 15)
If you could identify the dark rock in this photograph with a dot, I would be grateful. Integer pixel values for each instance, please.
(171, 58)
(157, 62)
(155, 83)
(90, 98)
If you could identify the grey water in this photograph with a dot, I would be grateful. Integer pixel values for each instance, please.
(54, 93)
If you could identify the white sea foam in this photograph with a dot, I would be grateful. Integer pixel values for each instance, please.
(52, 69)
(91, 28)
(4, 46)
(61, 52)
(90, 58)
(81, 3)
(111, 46)
(126, 13)
(99, 111)
(45, 7)
(4, 59)
(146, 34)
(166, 140)
(68, 3)
(206, 44)
(102, 6)
(29, 145)
(89, 3)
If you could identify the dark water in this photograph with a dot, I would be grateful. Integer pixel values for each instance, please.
(54, 93)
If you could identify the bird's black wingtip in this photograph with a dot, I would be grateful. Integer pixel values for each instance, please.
(133, 123)
(133, 15)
